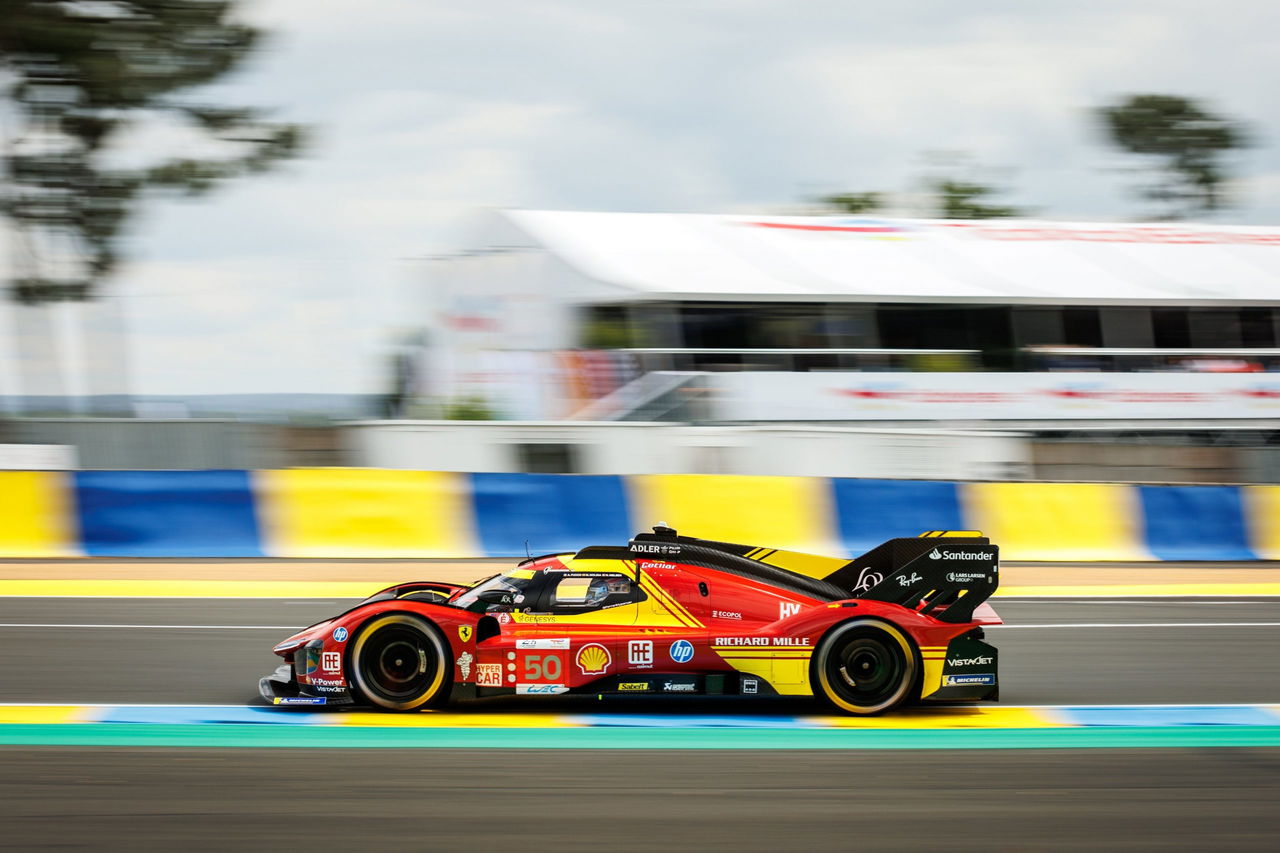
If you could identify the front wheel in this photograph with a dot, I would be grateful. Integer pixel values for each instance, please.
(864, 667)
(400, 663)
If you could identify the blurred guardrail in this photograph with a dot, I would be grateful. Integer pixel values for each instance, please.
(1141, 453)
(133, 443)
(354, 512)
(646, 448)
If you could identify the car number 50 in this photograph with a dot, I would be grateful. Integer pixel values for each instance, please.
(542, 668)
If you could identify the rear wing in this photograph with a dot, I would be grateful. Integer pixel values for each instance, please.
(941, 574)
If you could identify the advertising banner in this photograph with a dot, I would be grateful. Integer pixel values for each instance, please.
(846, 396)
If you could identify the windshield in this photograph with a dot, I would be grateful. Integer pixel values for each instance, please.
(515, 582)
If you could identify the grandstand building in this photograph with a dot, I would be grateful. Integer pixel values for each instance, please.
(841, 293)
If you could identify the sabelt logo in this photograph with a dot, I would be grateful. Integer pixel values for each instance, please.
(938, 554)
(978, 661)
(633, 686)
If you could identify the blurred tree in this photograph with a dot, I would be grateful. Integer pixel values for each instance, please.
(468, 409)
(77, 76)
(1188, 143)
(961, 199)
(854, 202)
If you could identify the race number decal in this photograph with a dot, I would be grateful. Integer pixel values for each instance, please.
(542, 668)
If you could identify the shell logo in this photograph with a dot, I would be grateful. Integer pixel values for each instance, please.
(593, 659)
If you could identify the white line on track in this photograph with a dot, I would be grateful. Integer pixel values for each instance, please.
(339, 710)
(297, 628)
(170, 627)
(1146, 625)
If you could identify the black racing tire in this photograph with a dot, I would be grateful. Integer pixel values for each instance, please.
(401, 662)
(864, 667)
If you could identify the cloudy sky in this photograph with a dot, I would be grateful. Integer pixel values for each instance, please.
(425, 111)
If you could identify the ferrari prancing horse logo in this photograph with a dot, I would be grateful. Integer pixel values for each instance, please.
(464, 633)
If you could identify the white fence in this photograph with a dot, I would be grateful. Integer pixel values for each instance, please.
(642, 448)
(37, 457)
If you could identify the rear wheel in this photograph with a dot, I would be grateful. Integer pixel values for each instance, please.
(864, 667)
(400, 662)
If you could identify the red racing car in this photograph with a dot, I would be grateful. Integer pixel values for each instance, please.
(669, 614)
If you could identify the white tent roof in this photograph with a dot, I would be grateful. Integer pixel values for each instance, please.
(644, 256)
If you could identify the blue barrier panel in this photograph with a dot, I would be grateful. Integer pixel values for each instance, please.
(552, 512)
(871, 511)
(167, 514)
(1195, 523)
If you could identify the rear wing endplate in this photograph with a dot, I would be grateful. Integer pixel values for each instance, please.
(943, 574)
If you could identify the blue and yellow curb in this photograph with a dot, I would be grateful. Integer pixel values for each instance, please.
(1067, 727)
(374, 513)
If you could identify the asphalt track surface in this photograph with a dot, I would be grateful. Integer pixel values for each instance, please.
(1052, 652)
(1056, 800)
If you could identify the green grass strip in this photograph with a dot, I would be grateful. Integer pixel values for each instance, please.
(260, 737)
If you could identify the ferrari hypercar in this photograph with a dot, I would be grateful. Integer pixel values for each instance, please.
(669, 614)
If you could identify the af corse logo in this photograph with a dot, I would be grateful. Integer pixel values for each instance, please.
(640, 653)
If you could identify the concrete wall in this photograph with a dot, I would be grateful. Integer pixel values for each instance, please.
(639, 448)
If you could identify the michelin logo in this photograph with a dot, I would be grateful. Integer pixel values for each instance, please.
(964, 680)
(936, 554)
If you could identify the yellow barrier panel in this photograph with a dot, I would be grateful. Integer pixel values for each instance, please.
(35, 514)
(1262, 519)
(781, 512)
(1057, 521)
(364, 512)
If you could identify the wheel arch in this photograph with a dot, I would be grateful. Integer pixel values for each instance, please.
(358, 632)
(874, 620)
